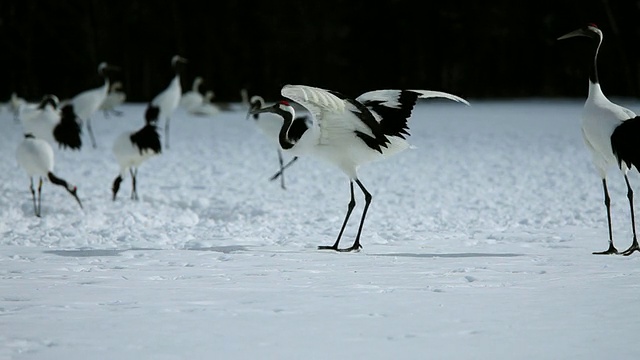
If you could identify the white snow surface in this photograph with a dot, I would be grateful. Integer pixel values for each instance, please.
(477, 245)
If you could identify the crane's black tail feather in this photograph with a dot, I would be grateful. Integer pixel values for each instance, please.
(625, 142)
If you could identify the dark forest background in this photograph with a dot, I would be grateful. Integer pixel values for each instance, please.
(475, 49)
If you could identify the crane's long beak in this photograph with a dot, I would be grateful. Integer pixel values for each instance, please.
(574, 33)
(78, 199)
(113, 67)
(270, 109)
(75, 195)
(252, 108)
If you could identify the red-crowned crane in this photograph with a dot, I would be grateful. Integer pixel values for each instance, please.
(349, 132)
(35, 156)
(164, 104)
(611, 133)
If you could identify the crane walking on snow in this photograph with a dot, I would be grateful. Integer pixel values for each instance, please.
(611, 133)
(168, 100)
(132, 148)
(86, 103)
(35, 156)
(349, 132)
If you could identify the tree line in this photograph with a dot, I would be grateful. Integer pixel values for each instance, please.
(501, 49)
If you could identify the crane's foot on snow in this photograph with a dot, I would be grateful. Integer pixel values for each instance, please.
(355, 247)
(610, 251)
(634, 247)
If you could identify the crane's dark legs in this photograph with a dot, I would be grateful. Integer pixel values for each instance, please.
(93, 139)
(356, 244)
(634, 246)
(134, 191)
(367, 197)
(281, 172)
(607, 202)
(280, 161)
(33, 196)
(166, 133)
(352, 204)
(39, 198)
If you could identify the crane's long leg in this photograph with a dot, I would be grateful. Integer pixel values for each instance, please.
(40, 197)
(367, 197)
(352, 204)
(134, 191)
(93, 139)
(281, 162)
(33, 196)
(281, 172)
(634, 246)
(166, 132)
(607, 202)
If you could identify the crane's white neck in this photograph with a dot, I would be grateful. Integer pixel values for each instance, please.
(106, 84)
(595, 91)
(196, 85)
(593, 74)
(176, 82)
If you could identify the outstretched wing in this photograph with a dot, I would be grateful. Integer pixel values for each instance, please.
(392, 108)
(318, 101)
(337, 115)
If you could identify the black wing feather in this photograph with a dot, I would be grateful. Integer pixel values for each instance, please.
(625, 143)
(394, 119)
(68, 132)
(147, 138)
(152, 113)
(378, 140)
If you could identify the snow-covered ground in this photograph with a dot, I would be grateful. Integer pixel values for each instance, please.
(477, 245)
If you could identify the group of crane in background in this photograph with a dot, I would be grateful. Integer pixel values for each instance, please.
(52, 122)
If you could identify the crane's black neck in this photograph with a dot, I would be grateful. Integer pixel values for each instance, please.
(283, 137)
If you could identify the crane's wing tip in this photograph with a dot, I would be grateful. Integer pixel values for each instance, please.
(425, 94)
